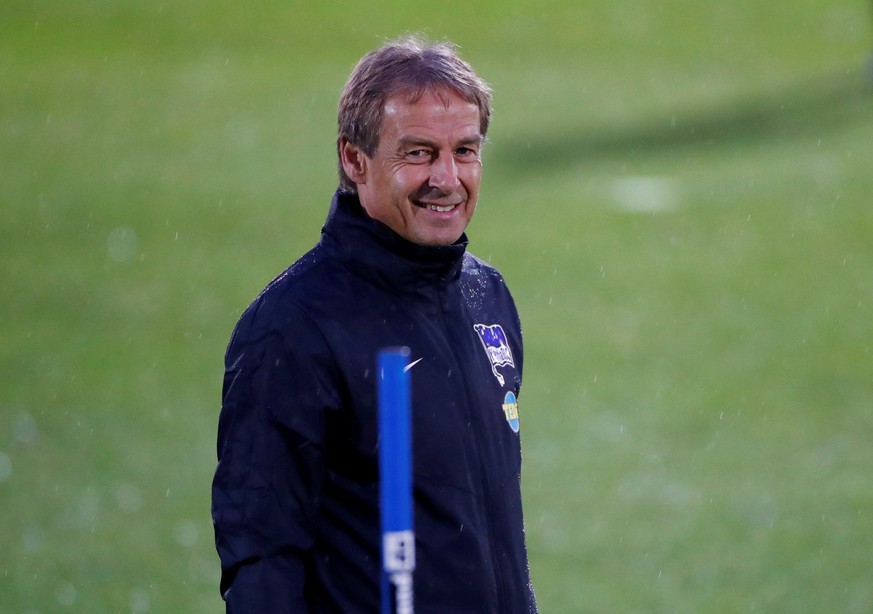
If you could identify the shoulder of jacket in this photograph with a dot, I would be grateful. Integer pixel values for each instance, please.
(273, 307)
(473, 265)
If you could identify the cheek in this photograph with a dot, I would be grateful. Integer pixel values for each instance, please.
(471, 176)
(409, 180)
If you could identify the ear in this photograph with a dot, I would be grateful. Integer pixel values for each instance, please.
(354, 161)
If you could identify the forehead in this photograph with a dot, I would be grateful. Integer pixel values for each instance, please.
(440, 111)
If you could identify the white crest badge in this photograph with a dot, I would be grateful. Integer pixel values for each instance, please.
(496, 347)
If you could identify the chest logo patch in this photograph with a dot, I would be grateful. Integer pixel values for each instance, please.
(496, 347)
(510, 409)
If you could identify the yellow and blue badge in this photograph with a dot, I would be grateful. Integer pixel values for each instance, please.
(510, 409)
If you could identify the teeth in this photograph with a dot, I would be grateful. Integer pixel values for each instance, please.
(440, 209)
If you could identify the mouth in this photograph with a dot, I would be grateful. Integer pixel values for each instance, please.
(438, 201)
(437, 208)
(445, 204)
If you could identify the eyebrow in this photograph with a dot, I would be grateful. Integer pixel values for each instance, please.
(407, 141)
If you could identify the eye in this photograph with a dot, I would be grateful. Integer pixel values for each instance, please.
(466, 153)
(418, 155)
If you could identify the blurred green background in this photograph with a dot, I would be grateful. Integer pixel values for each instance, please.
(679, 194)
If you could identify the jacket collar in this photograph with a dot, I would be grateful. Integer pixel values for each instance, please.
(371, 249)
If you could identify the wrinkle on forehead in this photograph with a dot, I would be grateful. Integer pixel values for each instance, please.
(410, 96)
(439, 100)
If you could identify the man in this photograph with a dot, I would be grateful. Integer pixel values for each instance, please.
(296, 493)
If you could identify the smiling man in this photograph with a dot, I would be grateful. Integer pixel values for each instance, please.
(296, 493)
(423, 180)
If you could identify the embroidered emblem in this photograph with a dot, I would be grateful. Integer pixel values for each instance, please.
(510, 409)
(496, 347)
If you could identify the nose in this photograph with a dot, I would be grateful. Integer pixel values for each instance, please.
(444, 174)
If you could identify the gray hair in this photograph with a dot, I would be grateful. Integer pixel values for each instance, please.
(406, 65)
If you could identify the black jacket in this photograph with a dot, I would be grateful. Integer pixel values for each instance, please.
(295, 495)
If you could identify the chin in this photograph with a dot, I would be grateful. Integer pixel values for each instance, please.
(440, 240)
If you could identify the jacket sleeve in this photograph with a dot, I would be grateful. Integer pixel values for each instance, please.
(277, 388)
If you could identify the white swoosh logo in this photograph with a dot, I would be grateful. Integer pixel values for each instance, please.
(412, 364)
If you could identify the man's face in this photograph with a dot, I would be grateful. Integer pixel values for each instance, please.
(423, 180)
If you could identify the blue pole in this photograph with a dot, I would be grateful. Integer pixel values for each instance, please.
(395, 475)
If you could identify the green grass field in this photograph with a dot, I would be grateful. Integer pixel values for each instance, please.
(678, 193)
